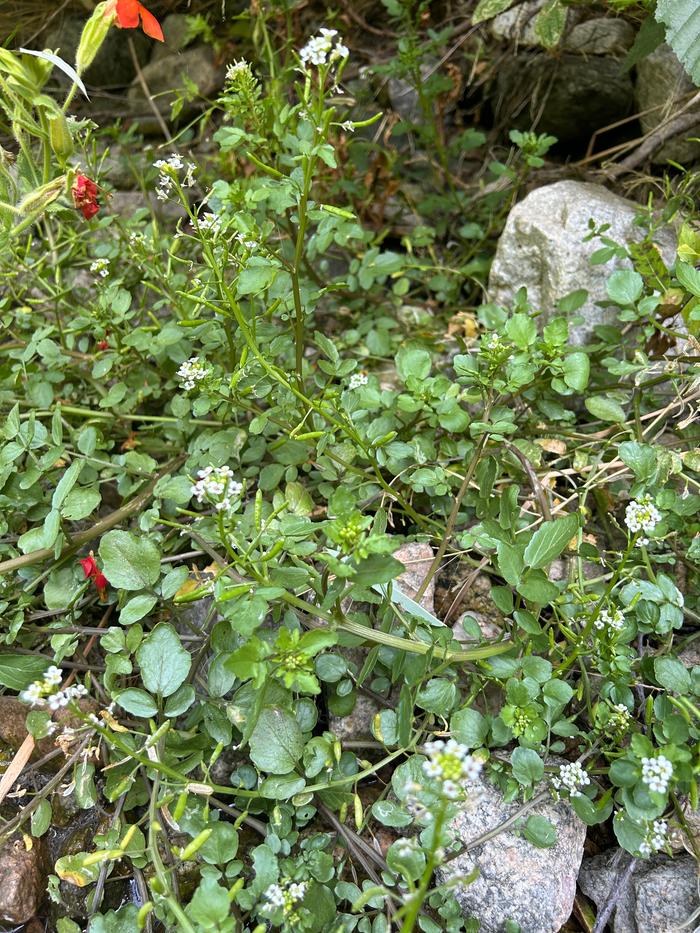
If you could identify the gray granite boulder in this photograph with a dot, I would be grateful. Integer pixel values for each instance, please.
(660, 895)
(165, 78)
(516, 881)
(542, 248)
(600, 36)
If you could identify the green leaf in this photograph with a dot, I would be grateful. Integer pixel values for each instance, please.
(607, 409)
(377, 568)
(487, 9)
(577, 369)
(672, 675)
(123, 920)
(650, 36)
(180, 701)
(130, 563)
(221, 846)
(510, 562)
(624, 286)
(539, 831)
(689, 277)
(522, 330)
(41, 818)
(469, 727)
(549, 541)
(641, 458)
(17, 671)
(550, 23)
(137, 702)
(81, 502)
(163, 661)
(528, 767)
(276, 743)
(391, 814)
(682, 32)
(412, 361)
(136, 608)
(66, 483)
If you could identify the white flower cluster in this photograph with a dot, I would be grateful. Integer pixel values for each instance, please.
(324, 48)
(656, 838)
(449, 763)
(100, 267)
(216, 484)
(208, 221)
(614, 621)
(357, 380)
(642, 515)
(286, 896)
(191, 372)
(657, 773)
(168, 169)
(620, 718)
(571, 778)
(45, 690)
(237, 69)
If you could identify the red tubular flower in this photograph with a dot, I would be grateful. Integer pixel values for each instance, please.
(92, 572)
(127, 13)
(84, 193)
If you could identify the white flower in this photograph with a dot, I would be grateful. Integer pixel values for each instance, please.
(100, 267)
(657, 773)
(208, 221)
(614, 620)
(348, 126)
(53, 676)
(216, 484)
(450, 765)
(571, 778)
(236, 69)
(323, 48)
(642, 515)
(656, 838)
(168, 170)
(285, 895)
(33, 694)
(357, 380)
(192, 372)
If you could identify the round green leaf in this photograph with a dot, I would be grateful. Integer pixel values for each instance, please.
(130, 563)
(163, 661)
(276, 743)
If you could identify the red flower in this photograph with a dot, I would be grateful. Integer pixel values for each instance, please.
(84, 193)
(92, 572)
(127, 13)
(103, 345)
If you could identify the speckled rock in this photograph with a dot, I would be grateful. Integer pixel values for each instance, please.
(516, 881)
(542, 248)
(176, 33)
(600, 36)
(659, 897)
(518, 23)
(165, 79)
(22, 880)
(662, 86)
